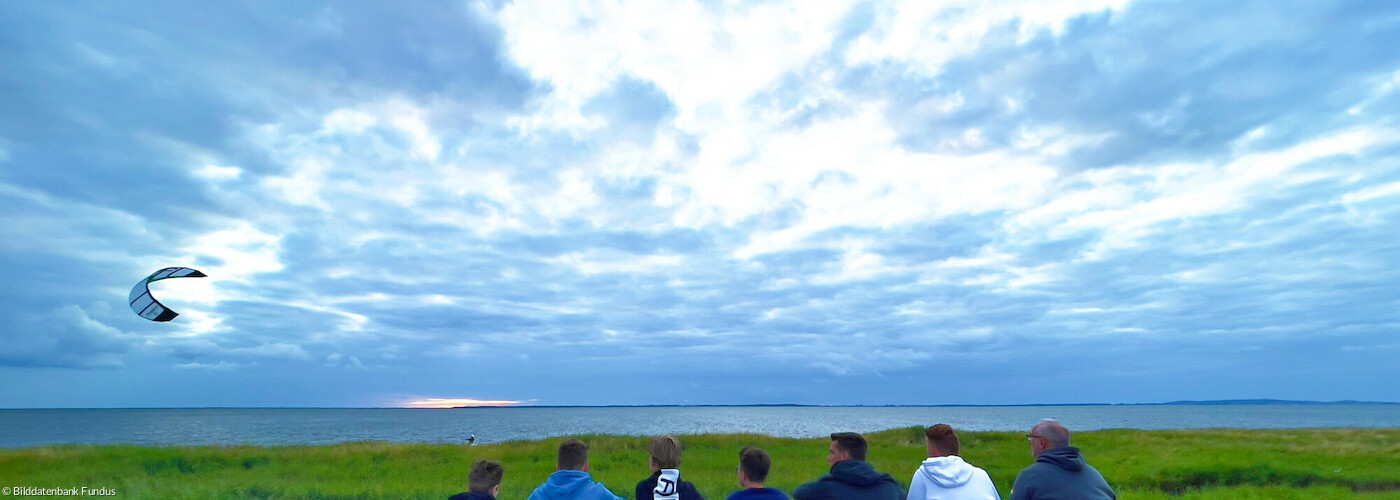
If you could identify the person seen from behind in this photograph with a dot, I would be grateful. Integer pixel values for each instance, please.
(851, 477)
(665, 482)
(753, 471)
(946, 476)
(1059, 470)
(571, 480)
(483, 482)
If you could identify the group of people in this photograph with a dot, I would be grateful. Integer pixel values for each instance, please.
(1059, 472)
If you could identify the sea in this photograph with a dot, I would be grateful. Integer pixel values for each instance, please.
(311, 426)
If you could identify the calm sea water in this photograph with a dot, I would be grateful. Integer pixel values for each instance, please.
(24, 428)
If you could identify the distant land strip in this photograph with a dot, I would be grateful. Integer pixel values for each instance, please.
(1219, 402)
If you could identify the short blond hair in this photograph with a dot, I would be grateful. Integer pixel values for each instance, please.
(666, 451)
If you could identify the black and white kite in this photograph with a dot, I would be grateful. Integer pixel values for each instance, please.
(147, 306)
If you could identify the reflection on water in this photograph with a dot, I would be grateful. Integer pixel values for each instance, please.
(23, 428)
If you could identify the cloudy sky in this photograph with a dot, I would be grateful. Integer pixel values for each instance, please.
(681, 202)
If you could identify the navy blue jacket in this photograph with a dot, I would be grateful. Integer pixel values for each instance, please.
(1061, 474)
(758, 494)
(853, 480)
(472, 495)
(686, 489)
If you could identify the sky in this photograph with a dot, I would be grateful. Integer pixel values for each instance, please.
(699, 202)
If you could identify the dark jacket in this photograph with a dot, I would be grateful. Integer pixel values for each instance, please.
(758, 494)
(686, 489)
(1061, 474)
(471, 495)
(853, 480)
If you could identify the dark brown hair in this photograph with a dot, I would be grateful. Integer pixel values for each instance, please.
(852, 443)
(573, 455)
(755, 463)
(485, 474)
(944, 438)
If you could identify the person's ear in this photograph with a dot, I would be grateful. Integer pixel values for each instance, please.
(495, 491)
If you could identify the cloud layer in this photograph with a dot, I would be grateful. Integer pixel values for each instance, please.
(863, 203)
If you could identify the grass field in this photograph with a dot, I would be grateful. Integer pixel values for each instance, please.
(1197, 464)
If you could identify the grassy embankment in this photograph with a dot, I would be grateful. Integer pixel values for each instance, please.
(1211, 464)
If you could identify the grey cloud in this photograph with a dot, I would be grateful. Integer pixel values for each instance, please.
(1164, 80)
(1292, 272)
(65, 337)
(148, 95)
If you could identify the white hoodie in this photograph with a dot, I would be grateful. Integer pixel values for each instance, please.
(951, 478)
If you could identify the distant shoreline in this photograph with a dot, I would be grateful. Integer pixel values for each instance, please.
(1222, 402)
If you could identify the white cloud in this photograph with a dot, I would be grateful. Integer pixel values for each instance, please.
(220, 366)
(707, 65)
(217, 173)
(1371, 205)
(241, 251)
(1126, 203)
(599, 263)
(339, 360)
(304, 184)
(276, 350)
(850, 172)
(925, 35)
(1372, 193)
(351, 121)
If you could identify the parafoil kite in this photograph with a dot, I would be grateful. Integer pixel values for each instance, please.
(147, 306)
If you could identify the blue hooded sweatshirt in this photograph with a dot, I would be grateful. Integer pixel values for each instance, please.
(572, 485)
(1061, 474)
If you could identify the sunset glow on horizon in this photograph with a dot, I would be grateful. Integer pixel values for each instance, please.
(455, 402)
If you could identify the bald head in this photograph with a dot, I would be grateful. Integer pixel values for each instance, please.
(1057, 435)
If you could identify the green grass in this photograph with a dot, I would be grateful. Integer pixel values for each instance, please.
(1200, 464)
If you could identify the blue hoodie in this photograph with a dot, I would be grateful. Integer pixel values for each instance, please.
(572, 485)
(1059, 474)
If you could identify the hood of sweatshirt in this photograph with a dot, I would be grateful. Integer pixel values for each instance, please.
(565, 483)
(1067, 458)
(858, 472)
(948, 472)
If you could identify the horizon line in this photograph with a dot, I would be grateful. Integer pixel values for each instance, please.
(1217, 402)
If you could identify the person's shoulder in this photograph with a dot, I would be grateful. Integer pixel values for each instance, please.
(981, 473)
(1036, 466)
(690, 492)
(597, 490)
(763, 494)
(806, 491)
(473, 495)
(812, 490)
